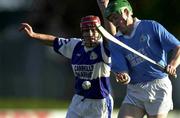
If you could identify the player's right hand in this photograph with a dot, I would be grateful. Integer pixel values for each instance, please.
(27, 29)
(122, 77)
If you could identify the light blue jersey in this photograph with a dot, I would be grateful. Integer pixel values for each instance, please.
(92, 64)
(149, 38)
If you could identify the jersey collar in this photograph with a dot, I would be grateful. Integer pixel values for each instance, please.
(89, 49)
(136, 23)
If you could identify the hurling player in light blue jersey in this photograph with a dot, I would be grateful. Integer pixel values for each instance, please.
(90, 60)
(149, 91)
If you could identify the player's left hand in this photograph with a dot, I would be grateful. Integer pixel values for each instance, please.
(122, 77)
(171, 70)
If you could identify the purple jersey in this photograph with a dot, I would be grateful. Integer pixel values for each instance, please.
(149, 38)
(92, 64)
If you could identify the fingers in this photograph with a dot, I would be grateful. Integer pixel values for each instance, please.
(122, 78)
(25, 26)
(22, 27)
(27, 29)
(171, 70)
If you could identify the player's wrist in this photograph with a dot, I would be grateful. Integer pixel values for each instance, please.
(35, 35)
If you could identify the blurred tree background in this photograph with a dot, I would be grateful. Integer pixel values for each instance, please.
(29, 70)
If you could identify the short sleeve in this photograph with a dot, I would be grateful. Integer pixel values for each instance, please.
(167, 40)
(65, 46)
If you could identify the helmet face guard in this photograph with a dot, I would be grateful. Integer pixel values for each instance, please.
(116, 6)
(91, 36)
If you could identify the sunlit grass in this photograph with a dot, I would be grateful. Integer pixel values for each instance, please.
(33, 103)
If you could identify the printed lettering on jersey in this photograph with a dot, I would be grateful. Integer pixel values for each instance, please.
(135, 59)
(83, 71)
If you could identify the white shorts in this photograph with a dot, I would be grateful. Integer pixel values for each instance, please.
(154, 97)
(90, 108)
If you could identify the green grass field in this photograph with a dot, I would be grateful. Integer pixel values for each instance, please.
(54, 108)
(33, 104)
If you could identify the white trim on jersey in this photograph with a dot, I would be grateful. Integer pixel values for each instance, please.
(103, 70)
(68, 46)
(104, 56)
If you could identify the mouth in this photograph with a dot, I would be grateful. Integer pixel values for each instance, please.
(90, 39)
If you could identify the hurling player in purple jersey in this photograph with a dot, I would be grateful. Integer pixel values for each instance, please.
(90, 60)
(149, 91)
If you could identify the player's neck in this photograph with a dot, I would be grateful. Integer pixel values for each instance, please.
(131, 23)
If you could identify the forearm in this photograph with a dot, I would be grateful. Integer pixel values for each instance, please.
(44, 38)
(175, 60)
(107, 24)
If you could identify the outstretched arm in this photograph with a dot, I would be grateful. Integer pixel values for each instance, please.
(44, 38)
(107, 24)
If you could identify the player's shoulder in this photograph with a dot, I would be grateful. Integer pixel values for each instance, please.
(67, 41)
(149, 22)
(152, 25)
(75, 39)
